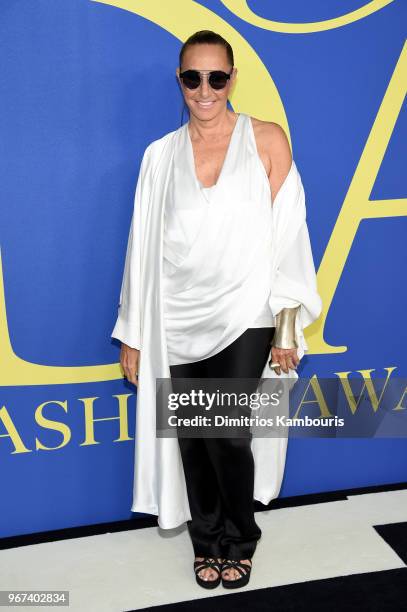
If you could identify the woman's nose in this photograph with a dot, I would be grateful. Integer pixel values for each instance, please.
(205, 87)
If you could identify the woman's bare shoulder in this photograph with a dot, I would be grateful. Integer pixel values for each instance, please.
(273, 145)
(272, 139)
(271, 136)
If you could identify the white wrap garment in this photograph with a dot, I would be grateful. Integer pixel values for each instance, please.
(279, 269)
(217, 251)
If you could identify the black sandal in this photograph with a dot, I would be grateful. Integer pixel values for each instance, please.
(244, 570)
(208, 562)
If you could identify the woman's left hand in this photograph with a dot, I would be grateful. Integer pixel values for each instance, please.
(287, 358)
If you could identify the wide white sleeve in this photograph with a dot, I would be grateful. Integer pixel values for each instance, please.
(295, 281)
(295, 284)
(128, 323)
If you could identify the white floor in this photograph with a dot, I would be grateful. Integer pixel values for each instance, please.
(145, 567)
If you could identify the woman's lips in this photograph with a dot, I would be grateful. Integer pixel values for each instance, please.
(205, 104)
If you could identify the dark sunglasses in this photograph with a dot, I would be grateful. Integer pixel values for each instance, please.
(217, 79)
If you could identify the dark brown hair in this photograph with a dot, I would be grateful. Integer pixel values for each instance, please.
(207, 37)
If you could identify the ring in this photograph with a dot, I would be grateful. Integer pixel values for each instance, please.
(274, 364)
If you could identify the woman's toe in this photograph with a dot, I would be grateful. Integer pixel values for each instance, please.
(208, 574)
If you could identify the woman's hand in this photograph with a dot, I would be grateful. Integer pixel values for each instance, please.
(287, 358)
(129, 360)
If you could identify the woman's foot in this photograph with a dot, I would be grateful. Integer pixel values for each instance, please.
(208, 573)
(237, 572)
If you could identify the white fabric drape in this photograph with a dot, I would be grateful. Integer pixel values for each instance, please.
(159, 481)
(217, 254)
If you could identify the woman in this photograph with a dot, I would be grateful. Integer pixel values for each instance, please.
(222, 317)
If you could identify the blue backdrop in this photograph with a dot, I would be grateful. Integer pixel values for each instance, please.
(85, 87)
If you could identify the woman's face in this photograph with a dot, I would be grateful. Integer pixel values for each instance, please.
(206, 57)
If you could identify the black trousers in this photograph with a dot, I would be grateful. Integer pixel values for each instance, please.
(219, 472)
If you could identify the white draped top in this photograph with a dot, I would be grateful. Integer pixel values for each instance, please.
(265, 317)
(216, 249)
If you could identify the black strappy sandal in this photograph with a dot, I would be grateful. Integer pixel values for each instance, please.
(208, 562)
(244, 570)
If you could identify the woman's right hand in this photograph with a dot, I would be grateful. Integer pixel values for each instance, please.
(287, 358)
(129, 360)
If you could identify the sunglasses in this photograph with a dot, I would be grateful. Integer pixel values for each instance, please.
(217, 79)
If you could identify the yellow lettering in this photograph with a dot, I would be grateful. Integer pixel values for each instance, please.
(12, 432)
(90, 419)
(53, 425)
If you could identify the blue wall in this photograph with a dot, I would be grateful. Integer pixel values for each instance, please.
(85, 87)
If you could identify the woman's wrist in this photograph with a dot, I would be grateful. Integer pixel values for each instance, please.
(284, 336)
